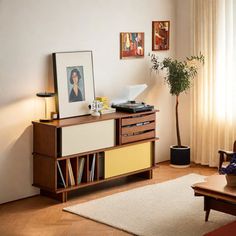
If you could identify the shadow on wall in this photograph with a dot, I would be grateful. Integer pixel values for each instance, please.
(16, 113)
(156, 90)
(17, 165)
(14, 95)
(157, 94)
(17, 99)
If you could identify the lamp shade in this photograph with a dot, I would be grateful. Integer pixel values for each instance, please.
(45, 95)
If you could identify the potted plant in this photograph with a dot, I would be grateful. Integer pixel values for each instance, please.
(179, 75)
(230, 171)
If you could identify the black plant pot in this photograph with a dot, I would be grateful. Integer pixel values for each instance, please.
(180, 156)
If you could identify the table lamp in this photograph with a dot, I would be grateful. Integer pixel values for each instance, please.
(46, 95)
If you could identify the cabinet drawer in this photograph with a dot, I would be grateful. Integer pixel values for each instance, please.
(134, 129)
(128, 159)
(87, 137)
(137, 128)
(138, 137)
(138, 119)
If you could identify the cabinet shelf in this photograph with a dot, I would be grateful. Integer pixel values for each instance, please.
(133, 147)
(103, 180)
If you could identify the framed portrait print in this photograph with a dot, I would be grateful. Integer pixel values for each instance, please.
(131, 45)
(160, 35)
(74, 82)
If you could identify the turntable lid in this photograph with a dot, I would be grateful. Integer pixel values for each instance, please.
(130, 93)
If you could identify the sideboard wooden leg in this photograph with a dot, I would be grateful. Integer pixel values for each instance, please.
(62, 197)
(147, 174)
(150, 174)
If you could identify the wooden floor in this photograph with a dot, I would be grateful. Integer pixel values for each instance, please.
(43, 216)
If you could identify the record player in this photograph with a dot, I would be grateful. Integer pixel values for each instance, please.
(133, 107)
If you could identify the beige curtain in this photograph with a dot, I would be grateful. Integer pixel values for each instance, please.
(213, 95)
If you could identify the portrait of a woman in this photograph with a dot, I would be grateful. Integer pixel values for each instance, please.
(76, 93)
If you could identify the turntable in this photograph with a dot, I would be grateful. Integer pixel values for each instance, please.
(127, 102)
(133, 107)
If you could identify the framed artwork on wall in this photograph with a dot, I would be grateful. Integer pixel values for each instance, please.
(131, 45)
(160, 35)
(74, 82)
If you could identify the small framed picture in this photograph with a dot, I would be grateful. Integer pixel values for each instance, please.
(160, 35)
(74, 82)
(131, 45)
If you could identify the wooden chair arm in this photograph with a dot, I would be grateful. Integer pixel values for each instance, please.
(227, 153)
(224, 155)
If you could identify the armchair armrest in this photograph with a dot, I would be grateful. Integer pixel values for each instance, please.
(224, 156)
(227, 153)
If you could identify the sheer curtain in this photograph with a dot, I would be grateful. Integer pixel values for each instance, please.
(213, 95)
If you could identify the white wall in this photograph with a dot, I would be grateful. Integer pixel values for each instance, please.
(30, 30)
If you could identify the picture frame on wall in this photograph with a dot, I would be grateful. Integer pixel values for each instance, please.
(160, 35)
(131, 45)
(74, 82)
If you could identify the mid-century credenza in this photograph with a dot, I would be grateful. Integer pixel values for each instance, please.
(77, 152)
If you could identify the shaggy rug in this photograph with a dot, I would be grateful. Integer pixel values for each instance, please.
(163, 209)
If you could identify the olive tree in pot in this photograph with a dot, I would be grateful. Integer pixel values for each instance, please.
(179, 75)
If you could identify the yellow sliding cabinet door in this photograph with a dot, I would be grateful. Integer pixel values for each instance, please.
(128, 159)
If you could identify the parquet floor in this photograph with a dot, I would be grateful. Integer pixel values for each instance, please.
(43, 216)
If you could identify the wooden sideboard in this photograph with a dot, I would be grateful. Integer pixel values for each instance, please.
(77, 152)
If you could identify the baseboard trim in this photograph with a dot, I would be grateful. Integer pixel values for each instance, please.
(35, 195)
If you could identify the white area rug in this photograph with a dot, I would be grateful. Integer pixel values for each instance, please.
(168, 208)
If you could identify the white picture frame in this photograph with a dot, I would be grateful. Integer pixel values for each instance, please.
(74, 82)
